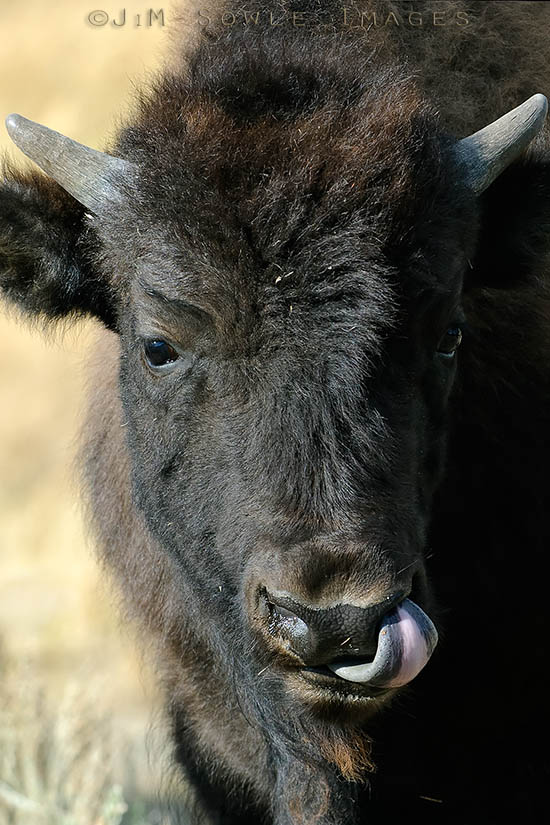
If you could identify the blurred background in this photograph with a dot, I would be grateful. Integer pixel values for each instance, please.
(76, 702)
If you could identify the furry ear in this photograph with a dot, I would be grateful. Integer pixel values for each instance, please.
(47, 251)
(514, 241)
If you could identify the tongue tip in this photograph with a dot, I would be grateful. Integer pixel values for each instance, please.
(406, 641)
(415, 638)
(359, 673)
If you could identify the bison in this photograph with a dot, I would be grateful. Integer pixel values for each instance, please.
(318, 435)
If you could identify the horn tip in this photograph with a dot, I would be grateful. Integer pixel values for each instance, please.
(16, 126)
(12, 123)
(541, 102)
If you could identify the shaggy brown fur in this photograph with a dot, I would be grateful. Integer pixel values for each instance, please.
(350, 751)
(472, 73)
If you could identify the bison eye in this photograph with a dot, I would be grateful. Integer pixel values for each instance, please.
(158, 353)
(450, 343)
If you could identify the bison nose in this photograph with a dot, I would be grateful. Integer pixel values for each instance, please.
(385, 645)
(321, 635)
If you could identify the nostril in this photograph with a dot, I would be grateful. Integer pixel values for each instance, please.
(282, 612)
(317, 635)
(288, 625)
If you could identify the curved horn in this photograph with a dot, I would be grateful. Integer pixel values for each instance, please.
(485, 154)
(88, 175)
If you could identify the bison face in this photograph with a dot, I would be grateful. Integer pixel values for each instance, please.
(287, 433)
(289, 326)
(289, 341)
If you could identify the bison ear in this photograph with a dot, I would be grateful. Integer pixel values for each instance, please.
(514, 239)
(47, 246)
(47, 252)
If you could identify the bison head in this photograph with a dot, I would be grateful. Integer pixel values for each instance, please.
(286, 283)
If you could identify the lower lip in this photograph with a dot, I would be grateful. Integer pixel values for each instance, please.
(336, 687)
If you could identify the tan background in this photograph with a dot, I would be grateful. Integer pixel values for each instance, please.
(55, 616)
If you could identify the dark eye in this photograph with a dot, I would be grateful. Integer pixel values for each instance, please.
(158, 353)
(450, 343)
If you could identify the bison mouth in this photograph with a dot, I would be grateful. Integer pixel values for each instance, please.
(406, 640)
(328, 686)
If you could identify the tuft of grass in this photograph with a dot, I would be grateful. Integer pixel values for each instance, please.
(58, 757)
(55, 754)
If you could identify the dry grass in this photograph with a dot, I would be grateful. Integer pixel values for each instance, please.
(57, 69)
(58, 755)
(55, 759)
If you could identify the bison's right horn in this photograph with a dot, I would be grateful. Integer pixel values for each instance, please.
(485, 154)
(88, 175)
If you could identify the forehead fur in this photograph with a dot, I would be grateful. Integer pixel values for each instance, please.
(258, 117)
(273, 162)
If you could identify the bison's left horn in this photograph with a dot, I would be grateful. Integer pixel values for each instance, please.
(485, 154)
(88, 175)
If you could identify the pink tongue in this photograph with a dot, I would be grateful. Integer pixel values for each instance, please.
(405, 643)
(415, 647)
